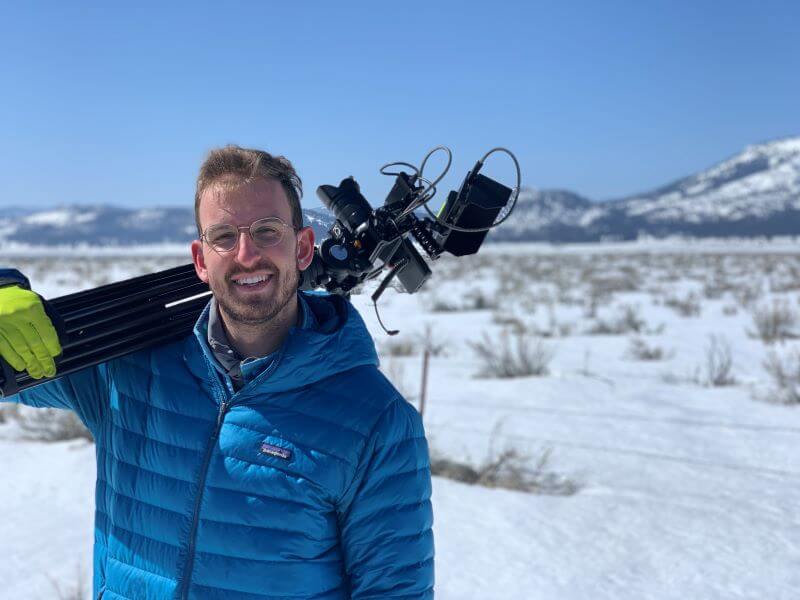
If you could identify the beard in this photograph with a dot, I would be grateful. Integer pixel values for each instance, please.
(256, 309)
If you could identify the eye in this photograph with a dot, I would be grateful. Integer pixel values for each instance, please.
(267, 233)
(222, 236)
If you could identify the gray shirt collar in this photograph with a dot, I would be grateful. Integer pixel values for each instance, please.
(218, 340)
(224, 351)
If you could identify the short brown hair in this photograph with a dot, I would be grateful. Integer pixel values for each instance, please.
(248, 164)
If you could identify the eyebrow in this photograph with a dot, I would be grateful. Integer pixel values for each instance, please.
(253, 221)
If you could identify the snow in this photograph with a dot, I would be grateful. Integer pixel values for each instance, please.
(684, 490)
(721, 192)
(143, 218)
(48, 503)
(13, 250)
(60, 218)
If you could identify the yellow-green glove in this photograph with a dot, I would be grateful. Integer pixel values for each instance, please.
(28, 340)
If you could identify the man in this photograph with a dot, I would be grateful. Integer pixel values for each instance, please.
(262, 457)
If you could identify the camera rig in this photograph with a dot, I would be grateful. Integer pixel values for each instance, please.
(120, 318)
(364, 242)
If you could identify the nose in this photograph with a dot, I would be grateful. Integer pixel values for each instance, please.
(247, 252)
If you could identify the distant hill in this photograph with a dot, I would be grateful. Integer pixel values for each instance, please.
(755, 193)
(106, 225)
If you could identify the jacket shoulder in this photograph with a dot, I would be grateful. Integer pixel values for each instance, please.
(133, 371)
(365, 390)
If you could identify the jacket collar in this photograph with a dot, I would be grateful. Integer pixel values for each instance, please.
(338, 341)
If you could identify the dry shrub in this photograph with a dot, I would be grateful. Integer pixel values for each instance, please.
(775, 322)
(74, 591)
(719, 363)
(478, 299)
(730, 310)
(628, 320)
(398, 347)
(438, 305)
(747, 295)
(714, 289)
(600, 293)
(603, 327)
(639, 349)
(688, 306)
(509, 469)
(475, 299)
(52, 425)
(8, 411)
(593, 301)
(511, 322)
(501, 358)
(717, 371)
(785, 374)
(611, 284)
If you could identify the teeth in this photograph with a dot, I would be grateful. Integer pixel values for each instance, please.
(251, 280)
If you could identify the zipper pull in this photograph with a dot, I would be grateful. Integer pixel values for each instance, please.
(223, 408)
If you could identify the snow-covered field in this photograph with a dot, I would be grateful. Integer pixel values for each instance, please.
(675, 477)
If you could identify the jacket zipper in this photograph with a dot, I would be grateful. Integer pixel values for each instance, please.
(183, 592)
(187, 570)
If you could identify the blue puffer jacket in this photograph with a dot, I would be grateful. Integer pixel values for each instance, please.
(312, 481)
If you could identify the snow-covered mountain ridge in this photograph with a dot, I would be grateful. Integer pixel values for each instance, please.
(755, 193)
(106, 225)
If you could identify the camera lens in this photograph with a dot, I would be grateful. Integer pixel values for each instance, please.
(346, 203)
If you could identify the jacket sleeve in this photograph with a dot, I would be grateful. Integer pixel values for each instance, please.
(86, 392)
(386, 516)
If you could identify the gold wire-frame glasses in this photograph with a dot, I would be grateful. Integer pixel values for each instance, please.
(224, 237)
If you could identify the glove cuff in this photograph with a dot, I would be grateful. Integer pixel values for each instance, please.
(13, 277)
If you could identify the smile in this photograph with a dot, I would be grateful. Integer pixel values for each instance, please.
(255, 282)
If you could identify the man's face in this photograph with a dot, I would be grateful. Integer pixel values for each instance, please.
(240, 205)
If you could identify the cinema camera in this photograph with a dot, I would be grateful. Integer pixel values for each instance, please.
(364, 242)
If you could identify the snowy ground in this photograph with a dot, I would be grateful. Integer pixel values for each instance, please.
(684, 489)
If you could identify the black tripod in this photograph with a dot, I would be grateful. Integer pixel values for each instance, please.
(117, 319)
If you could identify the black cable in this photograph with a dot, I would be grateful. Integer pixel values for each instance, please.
(425, 196)
(399, 162)
(510, 208)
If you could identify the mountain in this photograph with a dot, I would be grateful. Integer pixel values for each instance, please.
(755, 193)
(105, 225)
(545, 215)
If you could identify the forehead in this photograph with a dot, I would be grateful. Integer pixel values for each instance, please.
(231, 201)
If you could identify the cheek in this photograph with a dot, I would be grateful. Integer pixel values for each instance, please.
(283, 256)
(215, 267)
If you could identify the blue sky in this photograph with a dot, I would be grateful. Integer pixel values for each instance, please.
(105, 103)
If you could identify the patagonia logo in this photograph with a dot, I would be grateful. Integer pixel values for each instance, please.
(275, 451)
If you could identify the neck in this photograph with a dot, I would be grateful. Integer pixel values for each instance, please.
(263, 338)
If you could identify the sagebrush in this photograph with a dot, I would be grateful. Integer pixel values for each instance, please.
(512, 355)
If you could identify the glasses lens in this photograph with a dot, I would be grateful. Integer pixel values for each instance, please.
(267, 232)
(222, 237)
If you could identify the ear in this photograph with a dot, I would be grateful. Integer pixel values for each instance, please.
(305, 247)
(199, 260)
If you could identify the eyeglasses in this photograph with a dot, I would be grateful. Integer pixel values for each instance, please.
(224, 237)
